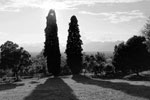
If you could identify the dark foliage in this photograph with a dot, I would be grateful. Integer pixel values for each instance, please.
(38, 65)
(7, 54)
(14, 57)
(132, 56)
(100, 57)
(139, 54)
(109, 70)
(73, 48)
(52, 51)
(65, 70)
(96, 64)
(120, 58)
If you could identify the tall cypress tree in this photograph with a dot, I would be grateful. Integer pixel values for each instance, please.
(73, 48)
(52, 51)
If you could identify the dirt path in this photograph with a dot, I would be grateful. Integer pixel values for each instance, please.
(75, 88)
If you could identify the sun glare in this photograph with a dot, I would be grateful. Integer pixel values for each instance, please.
(54, 5)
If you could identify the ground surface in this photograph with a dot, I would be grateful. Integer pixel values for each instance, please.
(75, 88)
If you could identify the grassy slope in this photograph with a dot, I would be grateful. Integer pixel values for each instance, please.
(75, 88)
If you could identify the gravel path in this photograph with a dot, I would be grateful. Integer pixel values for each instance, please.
(75, 88)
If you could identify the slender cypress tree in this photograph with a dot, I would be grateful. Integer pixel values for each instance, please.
(52, 51)
(73, 48)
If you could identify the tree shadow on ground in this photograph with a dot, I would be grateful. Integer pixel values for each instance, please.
(8, 86)
(133, 90)
(52, 89)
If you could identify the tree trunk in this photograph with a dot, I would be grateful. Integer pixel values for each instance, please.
(16, 74)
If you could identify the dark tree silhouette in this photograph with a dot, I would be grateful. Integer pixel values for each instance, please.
(14, 57)
(139, 55)
(132, 56)
(120, 58)
(7, 58)
(73, 48)
(52, 51)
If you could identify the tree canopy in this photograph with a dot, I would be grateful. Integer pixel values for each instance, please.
(73, 48)
(14, 57)
(51, 50)
(132, 56)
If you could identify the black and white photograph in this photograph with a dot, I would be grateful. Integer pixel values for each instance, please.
(74, 49)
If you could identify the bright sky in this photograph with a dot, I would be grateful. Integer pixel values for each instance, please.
(24, 21)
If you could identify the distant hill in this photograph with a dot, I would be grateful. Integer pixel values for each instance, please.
(108, 54)
(34, 54)
(100, 46)
(106, 47)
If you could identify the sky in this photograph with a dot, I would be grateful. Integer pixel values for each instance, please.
(24, 21)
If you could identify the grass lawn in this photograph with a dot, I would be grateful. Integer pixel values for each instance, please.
(75, 88)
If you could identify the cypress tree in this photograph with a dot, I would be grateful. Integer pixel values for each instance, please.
(52, 51)
(73, 47)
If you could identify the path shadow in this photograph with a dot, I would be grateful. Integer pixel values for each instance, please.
(52, 89)
(133, 90)
(8, 86)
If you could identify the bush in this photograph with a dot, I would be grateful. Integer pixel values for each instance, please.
(132, 56)
(109, 69)
(94, 63)
(65, 70)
